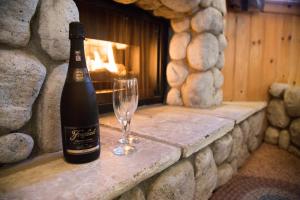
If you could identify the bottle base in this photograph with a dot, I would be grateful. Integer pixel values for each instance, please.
(79, 159)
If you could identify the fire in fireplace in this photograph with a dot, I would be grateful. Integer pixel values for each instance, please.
(122, 40)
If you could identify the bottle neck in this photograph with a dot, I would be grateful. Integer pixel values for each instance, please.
(77, 57)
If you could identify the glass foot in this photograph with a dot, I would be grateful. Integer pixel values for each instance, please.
(131, 139)
(123, 150)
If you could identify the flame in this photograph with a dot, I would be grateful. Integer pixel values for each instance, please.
(104, 59)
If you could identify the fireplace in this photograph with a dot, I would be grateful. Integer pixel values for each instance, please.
(124, 40)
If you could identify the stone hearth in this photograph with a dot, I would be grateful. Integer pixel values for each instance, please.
(194, 151)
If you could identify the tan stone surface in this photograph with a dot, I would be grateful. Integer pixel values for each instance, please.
(105, 178)
(178, 126)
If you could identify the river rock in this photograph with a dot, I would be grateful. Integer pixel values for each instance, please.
(180, 25)
(245, 128)
(272, 135)
(284, 139)
(54, 19)
(21, 78)
(198, 90)
(292, 101)
(222, 148)
(221, 61)
(134, 194)
(277, 114)
(176, 73)
(206, 3)
(243, 155)
(278, 89)
(257, 123)
(148, 4)
(15, 147)
(178, 45)
(220, 5)
(48, 115)
(203, 52)
(218, 78)
(218, 98)
(294, 150)
(209, 19)
(167, 13)
(295, 132)
(222, 42)
(174, 97)
(225, 173)
(237, 141)
(234, 165)
(15, 17)
(253, 143)
(206, 174)
(181, 5)
(175, 183)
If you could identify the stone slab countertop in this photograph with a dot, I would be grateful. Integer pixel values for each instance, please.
(176, 126)
(105, 178)
(188, 128)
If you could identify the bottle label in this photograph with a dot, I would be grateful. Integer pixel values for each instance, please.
(77, 56)
(82, 140)
(78, 75)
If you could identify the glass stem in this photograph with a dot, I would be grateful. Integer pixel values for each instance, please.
(124, 132)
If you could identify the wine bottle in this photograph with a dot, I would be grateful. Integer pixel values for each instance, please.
(78, 107)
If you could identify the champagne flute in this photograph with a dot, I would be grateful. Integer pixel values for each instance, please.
(125, 100)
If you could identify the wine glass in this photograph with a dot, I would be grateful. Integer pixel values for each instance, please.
(125, 101)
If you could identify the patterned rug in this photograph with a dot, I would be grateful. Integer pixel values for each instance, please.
(256, 188)
(269, 174)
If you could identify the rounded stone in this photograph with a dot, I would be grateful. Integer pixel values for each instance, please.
(278, 89)
(272, 135)
(203, 52)
(205, 3)
(198, 90)
(178, 45)
(237, 141)
(257, 123)
(167, 13)
(295, 132)
(177, 182)
(222, 148)
(234, 165)
(174, 97)
(176, 73)
(243, 155)
(218, 98)
(277, 114)
(21, 79)
(292, 101)
(209, 19)
(245, 128)
(126, 1)
(218, 78)
(221, 61)
(222, 42)
(53, 30)
(253, 143)
(220, 5)
(134, 194)
(206, 174)
(284, 139)
(148, 4)
(225, 173)
(294, 150)
(180, 25)
(15, 147)
(48, 113)
(15, 17)
(181, 5)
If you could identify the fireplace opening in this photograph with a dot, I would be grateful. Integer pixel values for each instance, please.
(124, 40)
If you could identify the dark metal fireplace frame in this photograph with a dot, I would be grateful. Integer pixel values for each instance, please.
(163, 41)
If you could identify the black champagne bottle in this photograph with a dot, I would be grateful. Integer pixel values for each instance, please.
(78, 107)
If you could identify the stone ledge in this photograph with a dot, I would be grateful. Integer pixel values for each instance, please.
(105, 178)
